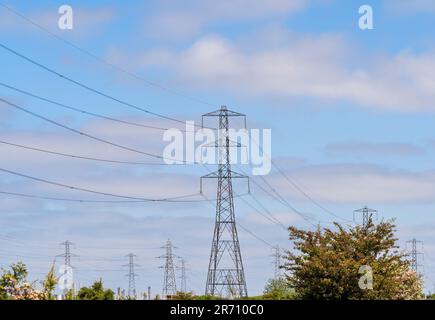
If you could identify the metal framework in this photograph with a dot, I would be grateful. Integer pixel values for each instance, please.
(415, 254)
(169, 281)
(367, 214)
(183, 276)
(277, 261)
(226, 276)
(67, 263)
(131, 276)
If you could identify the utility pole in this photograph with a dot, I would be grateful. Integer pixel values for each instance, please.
(131, 276)
(415, 254)
(226, 276)
(149, 293)
(169, 281)
(277, 261)
(183, 276)
(367, 215)
(66, 280)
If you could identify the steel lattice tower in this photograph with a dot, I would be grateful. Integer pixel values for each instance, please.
(169, 281)
(415, 254)
(226, 275)
(131, 276)
(367, 214)
(67, 261)
(277, 261)
(183, 276)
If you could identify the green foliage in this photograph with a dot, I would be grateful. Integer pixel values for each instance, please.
(183, 296)
(326, 263)
(278, 289)
(95, 292)
(430, 296)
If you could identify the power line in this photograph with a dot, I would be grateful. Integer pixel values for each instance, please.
(130, 105)
(34, 114)
(68, 155)
(99, 59)
(84, 86)
(32, 196)
(274, 219)
(295, 185)
(78, 109)
(287, 204)
(169, 199)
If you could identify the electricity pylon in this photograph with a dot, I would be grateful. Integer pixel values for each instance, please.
(66, 279)
(226, 275)
(415, 254)
(169, 281)
(277, 261)
(131, 276)
(183, 276)
(366, 213)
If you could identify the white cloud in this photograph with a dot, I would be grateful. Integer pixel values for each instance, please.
(367, 149)
(192, 17)
(359, 183)
(290, 65)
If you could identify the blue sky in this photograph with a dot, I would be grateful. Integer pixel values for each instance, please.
(351, 114)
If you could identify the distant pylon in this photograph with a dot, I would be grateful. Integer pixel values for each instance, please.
(415, 254)
(169, 281)
(366, 213)
(277, 261)
(226, 276)
(131, 276)
(183, 276)
(66, 279)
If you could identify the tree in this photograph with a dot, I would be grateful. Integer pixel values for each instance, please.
(326, 264)
(278, 289)
(95, 292)
(14, 285)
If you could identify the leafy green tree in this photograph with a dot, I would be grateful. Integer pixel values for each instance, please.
(95, 292)
(14, 285)
(326, 264)
(278, 289)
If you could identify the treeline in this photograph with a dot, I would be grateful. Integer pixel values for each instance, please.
(338, 263)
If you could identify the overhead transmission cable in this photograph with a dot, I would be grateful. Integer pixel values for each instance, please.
(168, 199)
(84, 86)
(82, 111)
(104, 61)
(34, 114)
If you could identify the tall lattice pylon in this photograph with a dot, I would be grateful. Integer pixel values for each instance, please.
(66, 279)
(169, 281)
(131, 276)
(415, 255)
(226, 276)
(367, 215)
(183, 277)
(277, 261)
